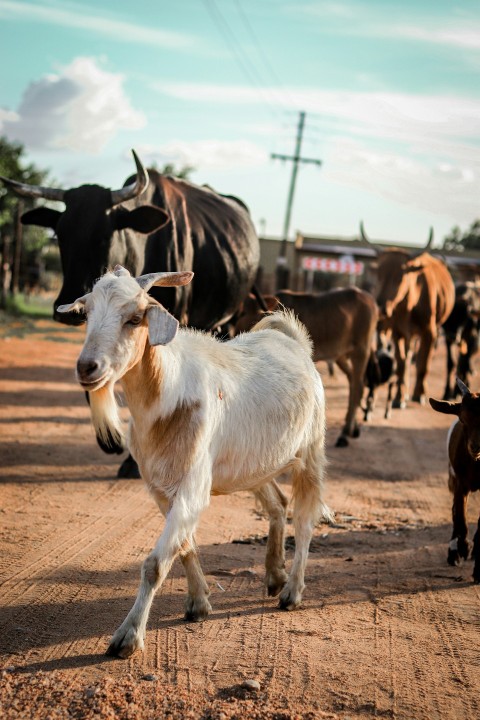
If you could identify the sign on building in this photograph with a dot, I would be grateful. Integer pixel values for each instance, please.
(343, 265)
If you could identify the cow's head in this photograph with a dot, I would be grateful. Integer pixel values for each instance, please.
(86, 230)
(395, 270)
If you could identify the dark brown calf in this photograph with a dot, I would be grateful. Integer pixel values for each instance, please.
(341, 323)
(463, 471)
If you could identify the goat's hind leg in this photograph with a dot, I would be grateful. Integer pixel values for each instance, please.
(274, 503)
(308, 508)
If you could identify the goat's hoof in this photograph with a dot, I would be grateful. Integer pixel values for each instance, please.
(342, 441)
(418, 398)
(124, 643)
(128, 470)
(276, 582)
(196, 610)
(289, 599)
(399, 404)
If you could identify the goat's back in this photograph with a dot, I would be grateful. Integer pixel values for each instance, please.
(285, 321)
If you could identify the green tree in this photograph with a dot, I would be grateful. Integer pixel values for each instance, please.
(182, 172)
(469, 240)
(17, 245)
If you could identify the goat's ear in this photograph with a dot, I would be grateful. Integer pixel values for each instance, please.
(164, 279)
(445, 407)
(76, 306)
(162, 327)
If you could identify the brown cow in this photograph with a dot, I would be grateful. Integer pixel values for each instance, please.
(415, 296)
(341, 323)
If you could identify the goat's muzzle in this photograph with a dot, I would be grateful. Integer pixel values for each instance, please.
(92, 374)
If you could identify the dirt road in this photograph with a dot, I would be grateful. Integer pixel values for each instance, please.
(387, 628)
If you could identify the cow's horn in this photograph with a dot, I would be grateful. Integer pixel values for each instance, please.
(430, 239)
(363, 234)
(33, 191)
(462, 387)
(366, 239)
(137, 188)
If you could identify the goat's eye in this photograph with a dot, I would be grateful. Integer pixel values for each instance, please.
(135, 320)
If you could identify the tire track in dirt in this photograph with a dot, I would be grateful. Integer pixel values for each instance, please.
(56, 555)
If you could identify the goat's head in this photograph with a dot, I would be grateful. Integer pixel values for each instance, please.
(468, 412)
(120, 314)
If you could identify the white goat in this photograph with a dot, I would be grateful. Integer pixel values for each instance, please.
(206, 418)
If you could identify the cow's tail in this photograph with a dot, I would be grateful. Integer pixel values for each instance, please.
(286, 322)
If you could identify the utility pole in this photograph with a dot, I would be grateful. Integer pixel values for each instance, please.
(282, 272)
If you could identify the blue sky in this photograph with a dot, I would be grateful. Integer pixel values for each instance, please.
(391, 93)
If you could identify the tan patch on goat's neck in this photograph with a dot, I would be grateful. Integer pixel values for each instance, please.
(143, 380)
(172, 443)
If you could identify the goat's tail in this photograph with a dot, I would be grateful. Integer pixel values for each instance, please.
(286, 321)
(106, 419)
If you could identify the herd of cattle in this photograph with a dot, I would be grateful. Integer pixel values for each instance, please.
(158, 222)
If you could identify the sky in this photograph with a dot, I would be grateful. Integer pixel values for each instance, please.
(390, 92)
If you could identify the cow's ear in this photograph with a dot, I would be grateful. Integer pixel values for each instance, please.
(162, 327)
(445, 407)
(43, 216)
(144, 219)
(412, 268)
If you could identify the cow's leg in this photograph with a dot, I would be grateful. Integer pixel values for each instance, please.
(357, 363)
(459, 546)
(448, 394)
(129, 469)
(388, 405)
(307, 510)
(402, 359)
(197, 606)
(424, 358)
(476, 554)
(345, 366)
(274, 503)
(179, 527)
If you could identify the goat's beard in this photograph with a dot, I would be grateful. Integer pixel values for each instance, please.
(105, 416)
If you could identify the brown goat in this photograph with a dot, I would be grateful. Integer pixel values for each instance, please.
(463, 445)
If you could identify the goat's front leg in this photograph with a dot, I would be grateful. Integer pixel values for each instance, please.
(197, 606)
(179, 528)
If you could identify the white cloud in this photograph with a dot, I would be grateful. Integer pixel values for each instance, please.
(80, 109)
(205, 154)
(399, 116)
(439, 187)
(89, 18)
(364, 20)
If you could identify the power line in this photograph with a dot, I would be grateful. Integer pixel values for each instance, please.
(259, 47)
(248, 68)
